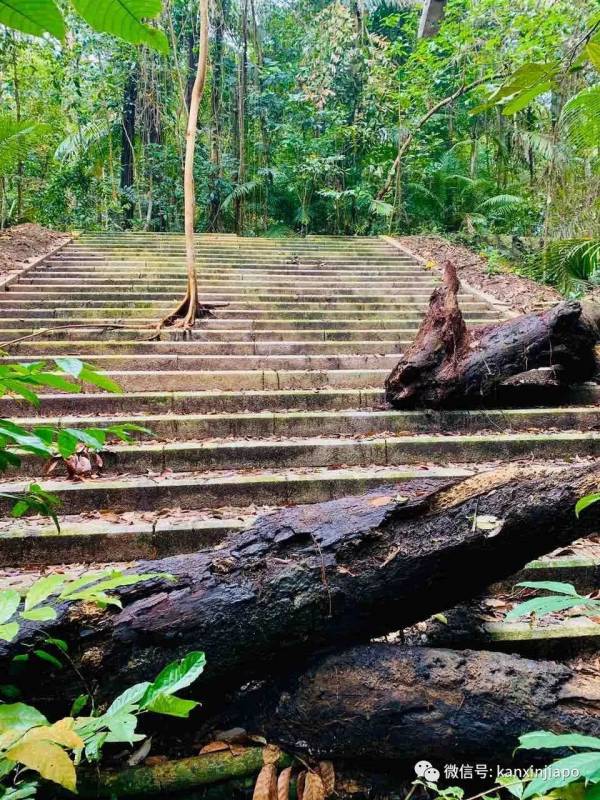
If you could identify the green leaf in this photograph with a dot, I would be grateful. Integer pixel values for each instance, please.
(544, 605)
(20, 717)
(586, 501)
(66, 443)
(560, 773)
(43, 614)
(592, 52)
(175, 676)
(71, 366)
(88, 375)
(523, 99)
(9, 631)
(171, 706)
(79, 704)
(9, 602)
(130, 697)
(539, 740)
(48, 657)
(86, 438)
(123, 18)
(35, 17)
(42, 589)
(552, 586)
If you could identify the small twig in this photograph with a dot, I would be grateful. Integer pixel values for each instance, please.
(106, 326)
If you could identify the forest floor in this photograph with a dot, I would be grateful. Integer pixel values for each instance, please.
(522, 294)
(23, 243)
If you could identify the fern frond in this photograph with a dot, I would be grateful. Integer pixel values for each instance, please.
(239, 191)
(81, 142)
(381, 209)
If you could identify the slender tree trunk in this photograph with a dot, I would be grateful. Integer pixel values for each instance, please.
(127, 143)
(18, 118)
(187, 311)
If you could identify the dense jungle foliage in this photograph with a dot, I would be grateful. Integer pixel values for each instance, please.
(308, 104)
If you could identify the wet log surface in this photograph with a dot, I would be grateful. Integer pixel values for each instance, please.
(451, 366)
(315, 578)
(391, 703)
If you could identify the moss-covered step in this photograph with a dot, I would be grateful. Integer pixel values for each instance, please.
(192, 426)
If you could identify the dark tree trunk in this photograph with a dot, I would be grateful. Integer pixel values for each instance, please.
(241, 122)
(130, 91)
(450, 366)
(214, 204)
(390, 703)
(323, 576)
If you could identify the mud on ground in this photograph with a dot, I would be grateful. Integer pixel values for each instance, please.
(22, 244)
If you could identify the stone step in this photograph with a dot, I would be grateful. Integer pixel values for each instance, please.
(265, 347)
(235, 299)
(159, 281)
(151, 312)
(191, 364)
(140, 403)
(245, 424)
(214, 490)
(332, 322)
(319, 451)
(279, 273)
(123, 338)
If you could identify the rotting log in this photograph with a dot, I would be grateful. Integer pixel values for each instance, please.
(317, 577)
(178, 775)
(391, 703)
(451, 366)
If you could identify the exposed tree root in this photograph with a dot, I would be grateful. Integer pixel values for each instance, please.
(451, 366)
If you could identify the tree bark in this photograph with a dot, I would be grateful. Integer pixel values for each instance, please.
(127, 143)
(384, 703)
(309, 578)
(449, 366)
(214, 207)
(241, 122)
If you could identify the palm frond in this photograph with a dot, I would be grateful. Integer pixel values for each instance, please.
(566, 262)
(381, 209)
(580, 119)
(17, 140)
(501, 205)
(239, 191)
(82, 141)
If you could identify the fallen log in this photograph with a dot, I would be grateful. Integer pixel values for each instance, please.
(389, 703)
(314, 577)
(451, 366)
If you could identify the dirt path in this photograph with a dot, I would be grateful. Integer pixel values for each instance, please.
(23, 243)
(522, 295)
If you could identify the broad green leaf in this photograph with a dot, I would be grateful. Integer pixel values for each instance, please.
(55, 382)
(9, 602)
(176, 676)
(123, 18)
(537, 740)
(544, 605)
(66, 443)
(523, 99)
(551, 586)
(32, 16)
(48, 657)
(86, 438)
(42, 589)
(48, 759)
(43, 614)
(560, 773)
(592, 52)
(9, 631)
(88, 375)
(171, 706)
(20, 717)
(130, 697)
(72, 366)
(586, 501)
(79, 704)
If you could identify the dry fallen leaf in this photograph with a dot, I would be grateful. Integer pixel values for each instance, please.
(271, 754)
(214, 747)
(283, 784)
(266, 784)
(300, 782)
(313, 787)
(327, 773)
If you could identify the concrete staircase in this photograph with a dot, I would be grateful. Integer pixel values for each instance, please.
(276, 400)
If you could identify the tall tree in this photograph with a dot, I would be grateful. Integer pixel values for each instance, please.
(130, 90)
